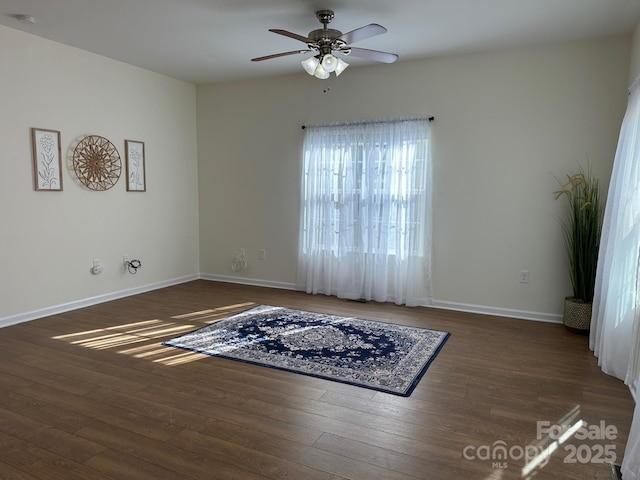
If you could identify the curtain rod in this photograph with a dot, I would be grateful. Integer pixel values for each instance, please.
(431, 119)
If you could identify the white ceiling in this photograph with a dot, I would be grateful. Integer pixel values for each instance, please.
(203, 41)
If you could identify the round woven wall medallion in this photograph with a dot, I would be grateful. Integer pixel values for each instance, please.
(96, 162)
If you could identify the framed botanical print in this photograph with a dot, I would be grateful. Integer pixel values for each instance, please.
(47, 161)
(136, 178)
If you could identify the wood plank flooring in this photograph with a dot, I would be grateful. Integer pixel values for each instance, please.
(92, 394)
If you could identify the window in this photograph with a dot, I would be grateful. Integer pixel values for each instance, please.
(366, 211)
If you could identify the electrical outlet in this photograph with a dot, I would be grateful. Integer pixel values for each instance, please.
(262, 254)
(97, 268)
(524, 276)
(242, 253)
(126, 259)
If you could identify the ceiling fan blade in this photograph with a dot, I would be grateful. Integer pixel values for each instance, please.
(367, 54)
(361, 33)
(295, 36)
(276, 55)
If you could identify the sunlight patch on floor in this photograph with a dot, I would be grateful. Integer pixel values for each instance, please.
(106, 329)
(126, 334)
(184, 357)
(108, 341)
(215, 313)
(140, 339)
(148, 350)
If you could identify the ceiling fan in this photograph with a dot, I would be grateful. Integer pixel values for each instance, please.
(325, 42)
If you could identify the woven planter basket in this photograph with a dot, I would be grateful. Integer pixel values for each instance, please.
(577, 315)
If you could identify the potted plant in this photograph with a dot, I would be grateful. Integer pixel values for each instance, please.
(581, 226)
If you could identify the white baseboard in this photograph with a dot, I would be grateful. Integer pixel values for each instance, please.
(460, 307)
(86, 302)
(499, 312)
(248, 281)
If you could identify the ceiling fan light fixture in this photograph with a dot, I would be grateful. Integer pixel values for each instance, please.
(329, 63)
(324, 42)
(341, 66)
(321, 73)
(310, 65)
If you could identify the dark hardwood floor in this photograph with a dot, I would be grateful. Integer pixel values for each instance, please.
(92, 394)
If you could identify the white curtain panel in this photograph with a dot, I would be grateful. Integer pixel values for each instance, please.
(615, 333)
(365, 227)
(613, 337)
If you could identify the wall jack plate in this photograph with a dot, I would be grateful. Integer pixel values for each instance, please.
(97, 268)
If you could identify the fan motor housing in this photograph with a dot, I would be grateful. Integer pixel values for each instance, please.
(326, 34)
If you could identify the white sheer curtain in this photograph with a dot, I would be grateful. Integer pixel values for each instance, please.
(365, 227)
(616, 302)
(615, 333)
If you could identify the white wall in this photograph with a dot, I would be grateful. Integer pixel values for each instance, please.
(49, 239)
(506, 122)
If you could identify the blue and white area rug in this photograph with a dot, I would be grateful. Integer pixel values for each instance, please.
(371, 354)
